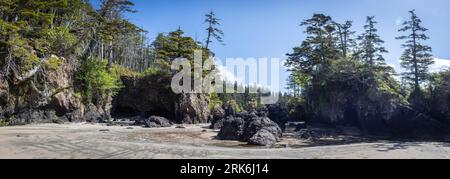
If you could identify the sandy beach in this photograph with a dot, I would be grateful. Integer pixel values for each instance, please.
(96, 141)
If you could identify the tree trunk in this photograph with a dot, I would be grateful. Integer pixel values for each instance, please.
(416, 67)
(111, 54)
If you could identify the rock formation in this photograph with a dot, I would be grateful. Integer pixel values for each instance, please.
(252, 128)
(24, 102)
(376, 111)
(192, 108)
(217, 117)
(153, 122)
(278, 113)
(440, 100)
(152, 95)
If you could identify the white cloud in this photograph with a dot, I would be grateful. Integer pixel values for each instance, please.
(229, 76)
(440, 65)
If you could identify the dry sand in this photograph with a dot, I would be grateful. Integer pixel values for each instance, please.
(95, 141)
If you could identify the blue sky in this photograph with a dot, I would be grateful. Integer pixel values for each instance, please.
(270, 28)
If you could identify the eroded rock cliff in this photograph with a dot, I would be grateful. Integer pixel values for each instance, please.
(152, 96)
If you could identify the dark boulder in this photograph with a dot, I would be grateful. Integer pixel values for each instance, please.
(154, 122)
(251, 128)
(254, 125)
(230, 108)
(248, 115)
(262, 111)
(232, 129)
(217, 117)
(217, 123)
(263, 138)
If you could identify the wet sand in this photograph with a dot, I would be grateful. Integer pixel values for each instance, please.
(96, 141)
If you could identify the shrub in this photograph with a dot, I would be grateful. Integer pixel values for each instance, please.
(96, 82)
(54, 63)
(4, 122)
(215, 100)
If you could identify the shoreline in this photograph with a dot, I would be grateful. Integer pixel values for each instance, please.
(96, 141)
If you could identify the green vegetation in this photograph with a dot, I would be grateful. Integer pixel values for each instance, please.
(97, 82)
(333, 68)
(213, 30)
(4, 122)
(98, 45)
(417, 57)
(331, 72)
(371, 45)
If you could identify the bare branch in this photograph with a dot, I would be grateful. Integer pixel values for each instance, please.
(30, 73)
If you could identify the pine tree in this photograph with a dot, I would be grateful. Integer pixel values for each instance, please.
(371, 45)
(176, 45)
(32, 31)
(417, 57)
(213, 30)
(112, 22)
(345, 34)
(319, 48)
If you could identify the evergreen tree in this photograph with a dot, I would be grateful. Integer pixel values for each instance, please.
(176, 45)
(371, 45)
(32, 31)
(112, 22)
(213, 30)
(319, 48)
(345, 34)
(417, 57)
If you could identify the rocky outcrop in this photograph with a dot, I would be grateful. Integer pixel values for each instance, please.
(152, 95)
(217, 117)
(232, 129)
(263, 138)
(251, 128)
(230, 108)
(144, 96)
(254, 127)
(48, 98)
(4, 97)
(192, 108)
(440, 99)
(377, 112)
(279, 114)
(406, 122)
(4, 90)
(153, 122)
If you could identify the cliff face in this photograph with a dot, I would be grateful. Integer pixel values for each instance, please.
(4, 97)
(440, 102)
(376, 110)
(151, 96)
(33, 102)
(46, 98)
